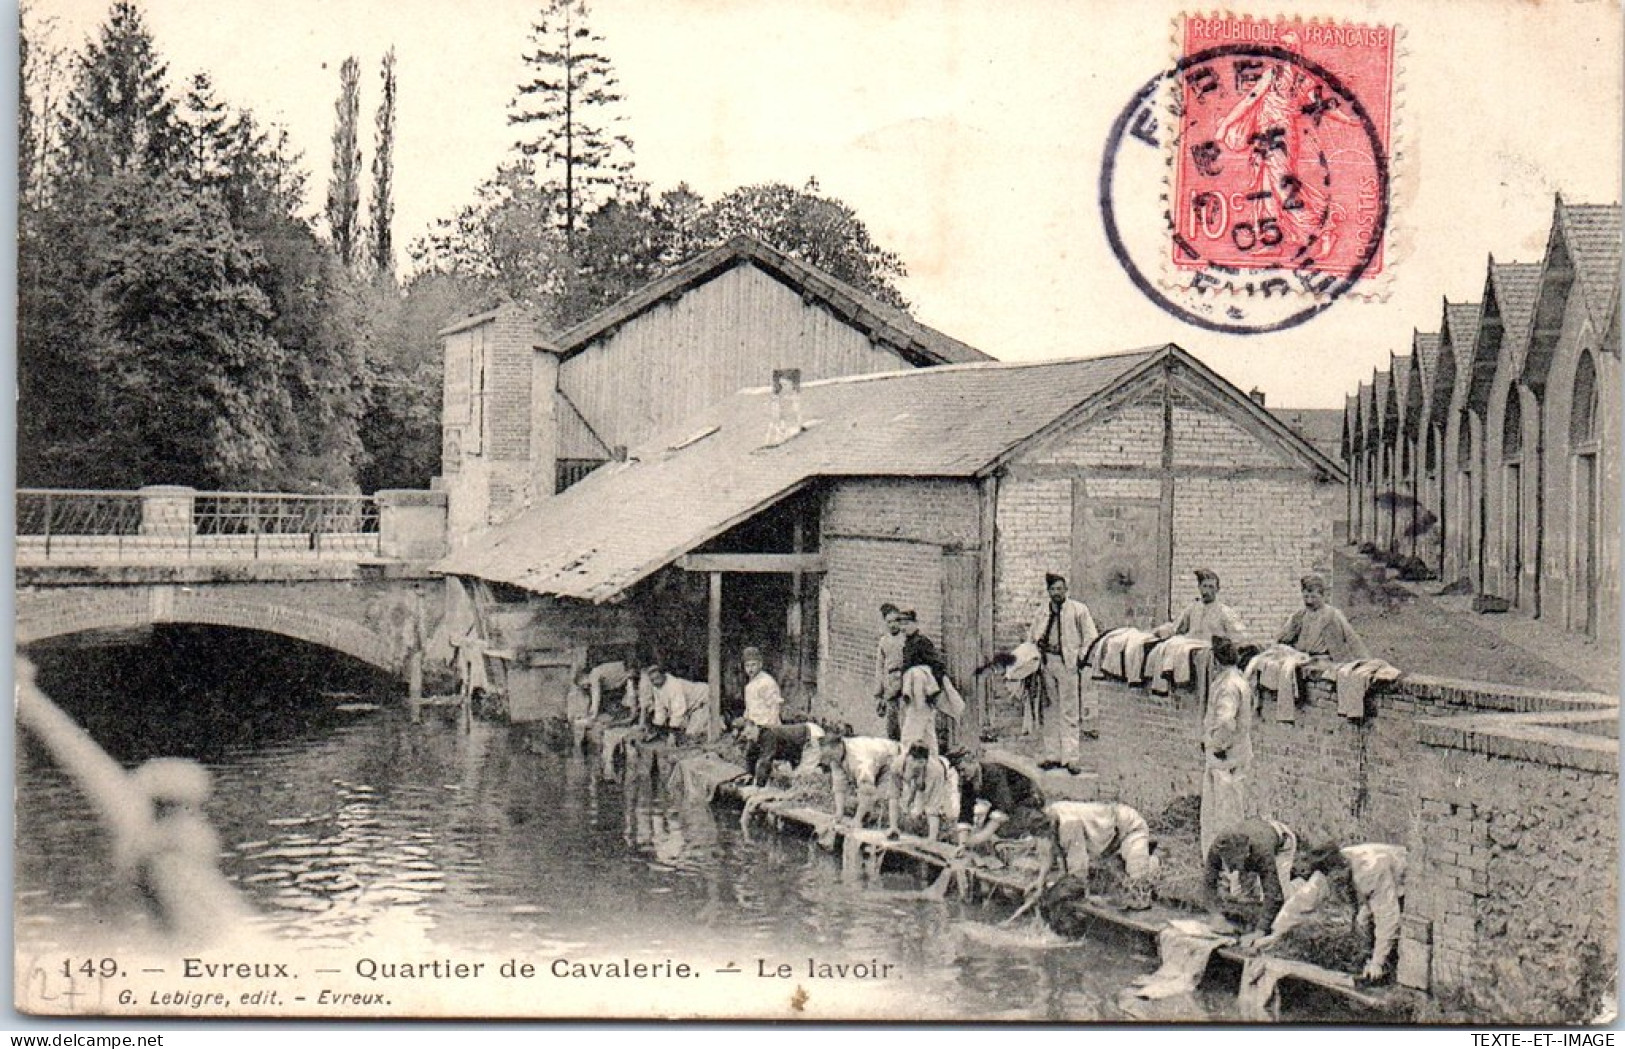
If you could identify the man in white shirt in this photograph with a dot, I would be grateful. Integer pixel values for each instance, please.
(763, 701)
(678, 707)
(1206, 618)
(1063, 630)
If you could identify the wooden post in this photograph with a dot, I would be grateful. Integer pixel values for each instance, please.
(713, 655)
(793, 615)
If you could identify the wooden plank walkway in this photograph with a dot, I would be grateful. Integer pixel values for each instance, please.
(1387, 1001)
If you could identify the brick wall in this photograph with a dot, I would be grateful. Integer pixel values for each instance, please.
(1130, 436)
(1507, 799)
(1261, 531)
(883, 540)
(927, 510)
(1260, 534)
(1512, 897)
(1323, 774)
(509, 350)
(1204, 437)
(1034, 523)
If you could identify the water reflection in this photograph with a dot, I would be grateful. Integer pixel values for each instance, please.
(360, 825)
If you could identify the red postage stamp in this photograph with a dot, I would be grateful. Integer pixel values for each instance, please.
(1282, 159)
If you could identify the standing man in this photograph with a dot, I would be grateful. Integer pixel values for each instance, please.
(1227, 745)
(1319, 629)
(763, 701)
(1205, 618)
(1063, 630)
(889, 672)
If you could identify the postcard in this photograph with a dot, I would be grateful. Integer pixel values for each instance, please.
(1066, 512)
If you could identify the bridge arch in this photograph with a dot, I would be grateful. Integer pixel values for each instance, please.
(59, 611)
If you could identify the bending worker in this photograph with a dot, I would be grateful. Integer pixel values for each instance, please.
(1370, 877)
(1259, 847)
(1085, 832)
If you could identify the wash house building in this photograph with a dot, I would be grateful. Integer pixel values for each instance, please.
(525, 416)
(783, 516)
(1490, 452)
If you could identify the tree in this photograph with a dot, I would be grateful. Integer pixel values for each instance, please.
(567, 109)
(627, 243)
(383, 174)
(120, 117)
(505, 243)
(401, 427)
(206, 134)
(187, 384)
(805, 224)
(344, 188)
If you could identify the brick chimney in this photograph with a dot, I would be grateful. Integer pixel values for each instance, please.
(1257, 396)
(786, 416)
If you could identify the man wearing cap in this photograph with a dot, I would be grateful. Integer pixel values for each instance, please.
(1319, 629)
(1205, 618)
(889, 671)
(1063, 630)
(763, 700)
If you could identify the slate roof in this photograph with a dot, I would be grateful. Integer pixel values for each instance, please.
(1592, 233)
(1517, 286)
(886, 325)
(1425, 349)
(1400, 368)
(1379, 405)
(1458, 330)
(695, 481)
(1321, 427)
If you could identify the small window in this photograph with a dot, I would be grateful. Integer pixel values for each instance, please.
(1583, 412)
(1512, 426)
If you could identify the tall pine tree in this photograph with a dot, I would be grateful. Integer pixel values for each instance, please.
(567, 112)
(383, 176)
(206, 134)
(120, 118)
(344, 188)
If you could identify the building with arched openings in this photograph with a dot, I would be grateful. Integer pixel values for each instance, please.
(1491, 451)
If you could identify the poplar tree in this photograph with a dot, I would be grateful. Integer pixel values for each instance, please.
(567, 113)
(344, 188)
(383, 175)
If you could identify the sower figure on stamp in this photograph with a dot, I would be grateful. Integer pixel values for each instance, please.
(1275, 125)
(1063, 630)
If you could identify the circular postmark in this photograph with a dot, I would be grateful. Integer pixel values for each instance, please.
(1246, 189)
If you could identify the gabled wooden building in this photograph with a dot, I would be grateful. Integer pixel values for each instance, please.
(526, 414)
(784, 519)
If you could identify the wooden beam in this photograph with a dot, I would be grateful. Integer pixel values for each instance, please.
(751, 563)
(713, 656)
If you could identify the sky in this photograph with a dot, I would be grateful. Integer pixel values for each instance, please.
(967, 134)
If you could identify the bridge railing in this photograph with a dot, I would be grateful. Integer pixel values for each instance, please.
(162, 523)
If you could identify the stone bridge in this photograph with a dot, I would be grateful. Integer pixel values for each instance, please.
(381, 622)
(348, 573)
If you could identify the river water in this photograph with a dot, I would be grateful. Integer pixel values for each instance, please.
(349, 828)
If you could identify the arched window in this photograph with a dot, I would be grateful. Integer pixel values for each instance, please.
(1512, 427)
(1432, 459)
(1583, 412)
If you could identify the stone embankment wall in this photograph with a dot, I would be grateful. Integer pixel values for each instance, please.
(1506, 797)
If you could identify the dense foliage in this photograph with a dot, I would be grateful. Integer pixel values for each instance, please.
(183, 319)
